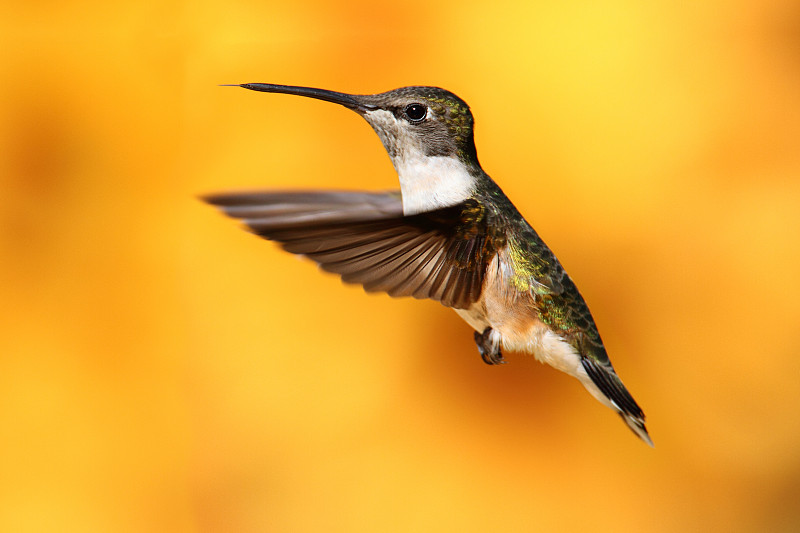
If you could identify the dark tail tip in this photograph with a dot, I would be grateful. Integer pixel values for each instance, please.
(637, 426)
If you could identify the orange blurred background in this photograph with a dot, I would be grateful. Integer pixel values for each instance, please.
(162, 370)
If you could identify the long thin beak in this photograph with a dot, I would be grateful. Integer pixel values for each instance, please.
(348, 100)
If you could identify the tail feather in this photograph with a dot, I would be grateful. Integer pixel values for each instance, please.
(638, 427)
(609, 384)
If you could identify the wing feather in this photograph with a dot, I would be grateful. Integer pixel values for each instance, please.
(365, 238)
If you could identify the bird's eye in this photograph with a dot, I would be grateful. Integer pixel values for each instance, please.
(416, 112)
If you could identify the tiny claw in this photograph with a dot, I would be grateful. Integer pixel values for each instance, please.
(489, 347)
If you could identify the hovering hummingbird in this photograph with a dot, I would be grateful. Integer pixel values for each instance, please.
(449, 234)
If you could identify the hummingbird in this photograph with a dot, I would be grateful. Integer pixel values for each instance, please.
(449, 234)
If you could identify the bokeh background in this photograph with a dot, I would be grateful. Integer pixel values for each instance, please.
(162, 370)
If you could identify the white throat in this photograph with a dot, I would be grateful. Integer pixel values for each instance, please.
(432, 182)
(426, 182)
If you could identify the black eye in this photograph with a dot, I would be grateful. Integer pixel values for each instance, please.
(416, 112)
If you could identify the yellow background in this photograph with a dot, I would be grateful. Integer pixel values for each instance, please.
(162, 370)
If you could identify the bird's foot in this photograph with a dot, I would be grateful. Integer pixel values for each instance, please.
(489, 347)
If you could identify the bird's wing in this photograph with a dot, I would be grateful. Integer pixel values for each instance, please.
(365, 238)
